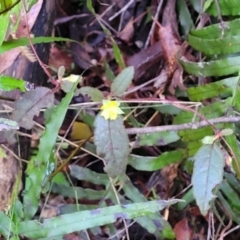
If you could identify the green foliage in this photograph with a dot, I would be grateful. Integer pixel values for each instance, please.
(85, 219)
(158, 138)
(227, 8)
(155, 163)
(38, 168)
(217, 68)
(8, 83)
(4, 19)
(122, 81)
(207, 174)
(95, 94)
(13, 43)
(185, 18)
(112, 144)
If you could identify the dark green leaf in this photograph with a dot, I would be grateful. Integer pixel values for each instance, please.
(227, 8)
(117, 54)
(224, 45)
(158, 138)
(231, 196)
(78, 221)
(78, 192)
(184, 17)
(207, 174)
(216, 68)
(84, 174)
(155, 163)
(112, 144)
(223, 88)
(214, 31)
(122, 81)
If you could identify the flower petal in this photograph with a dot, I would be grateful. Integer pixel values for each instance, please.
(110, 109)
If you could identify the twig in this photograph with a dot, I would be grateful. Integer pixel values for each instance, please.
(62, 20)
(122, 10)
(194, 125)
(231, 230)
(153, 24)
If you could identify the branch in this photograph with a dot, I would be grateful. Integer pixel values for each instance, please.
(194, 125)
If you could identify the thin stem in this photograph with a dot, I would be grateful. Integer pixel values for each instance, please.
(194, 125)
(32, 47)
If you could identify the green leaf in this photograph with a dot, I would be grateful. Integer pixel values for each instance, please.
(2, 153)
(13, 43)
(78, 221)
(117, 54)
(6, 226)
(152, 222)
(90, 7)
(193, 137)
(231, 195)
(60, 179)
(224, 202)
(196, 5)
(95, 94)
(109, 73)
(227, 8)
(7, 5)
(112, 144)
(188, 198)
(30, 105)
(8, 83)
(207, 174)
(185, 18)
(155, 163)
(4, 20)
(84, 174)
(223, 88)
(207, 4)
(77, 192)
(225, 45)
(214, 31)
(122, 81)
(216, 68)
(158, 138)
(209, 139)
(8, 124)
(39, 166)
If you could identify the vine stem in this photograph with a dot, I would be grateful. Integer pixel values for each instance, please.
(54, 82)
(194, 125)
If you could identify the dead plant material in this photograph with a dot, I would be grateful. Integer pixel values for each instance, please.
(143, 60)
(171, 45)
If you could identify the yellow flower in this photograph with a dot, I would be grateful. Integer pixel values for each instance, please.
(110, 109)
